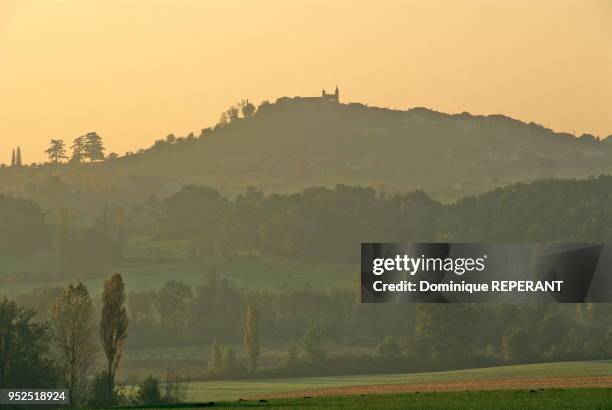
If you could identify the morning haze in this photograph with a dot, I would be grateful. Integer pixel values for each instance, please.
(136, 71)
(191, 230)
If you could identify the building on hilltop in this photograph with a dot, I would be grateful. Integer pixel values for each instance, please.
(333, 98)
(324, 98)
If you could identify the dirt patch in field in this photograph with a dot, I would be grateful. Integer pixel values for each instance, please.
(461, 385)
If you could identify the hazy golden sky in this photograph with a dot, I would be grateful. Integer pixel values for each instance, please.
(135, 71)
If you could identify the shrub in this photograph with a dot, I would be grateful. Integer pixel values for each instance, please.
(149, 391)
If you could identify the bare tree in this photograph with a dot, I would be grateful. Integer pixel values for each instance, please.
(72, 319)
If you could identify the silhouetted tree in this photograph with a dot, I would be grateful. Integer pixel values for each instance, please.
(94, 148)
(113, 327)
(79, 151)
(233, 113)
(223, 120)
(13, 163)
(56, 151)
(18, 157)
(247, 108)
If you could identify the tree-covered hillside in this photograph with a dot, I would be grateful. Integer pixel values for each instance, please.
(291, 144)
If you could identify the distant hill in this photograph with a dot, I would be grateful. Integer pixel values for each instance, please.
(294, 143)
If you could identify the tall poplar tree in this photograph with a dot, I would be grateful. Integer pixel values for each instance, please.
(18, 157)
(113, 327)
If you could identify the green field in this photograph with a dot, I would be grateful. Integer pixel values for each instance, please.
(503, 399)
(248, 393)
(233, 390)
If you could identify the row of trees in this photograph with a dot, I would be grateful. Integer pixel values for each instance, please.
(309, 322)
(322, 223)
(243, 107)
(90, 146)
(86, 147)
(16, 158)
(61, 351)
(409, 337)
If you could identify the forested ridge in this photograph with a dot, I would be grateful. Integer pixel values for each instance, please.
(289, 145)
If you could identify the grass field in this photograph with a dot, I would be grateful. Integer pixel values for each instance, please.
(233, 390)
(501, 399)
(563, 385)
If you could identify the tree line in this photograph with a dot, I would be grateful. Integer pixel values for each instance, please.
(329, 223)
(321, 223)
(85, 147)
(315, 327)
(407, 337)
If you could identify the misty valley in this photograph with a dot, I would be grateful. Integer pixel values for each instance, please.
(234, 255)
